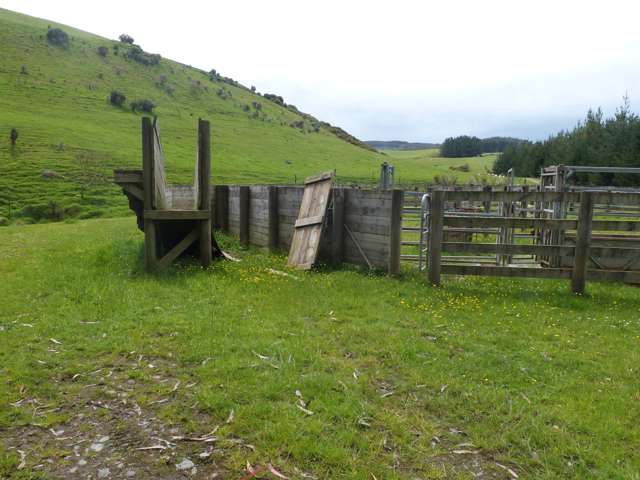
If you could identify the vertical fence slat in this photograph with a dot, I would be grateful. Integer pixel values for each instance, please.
(244, 216)
(436, 220)
(272, 219)
(583, 238)
(395, 231)
(221, 204)
(337, 226)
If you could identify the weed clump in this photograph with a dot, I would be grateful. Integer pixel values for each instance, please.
(138, 55)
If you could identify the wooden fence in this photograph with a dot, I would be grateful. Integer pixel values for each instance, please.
(584, 247)
(363, 226)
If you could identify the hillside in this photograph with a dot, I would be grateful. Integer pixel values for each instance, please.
(70, 137)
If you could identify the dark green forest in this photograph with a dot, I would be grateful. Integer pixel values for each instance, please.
(596, 141)
(466, 146)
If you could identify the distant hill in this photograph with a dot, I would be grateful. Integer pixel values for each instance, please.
(56, 85)
(399, 145)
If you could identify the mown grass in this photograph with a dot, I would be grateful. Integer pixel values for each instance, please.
(538, 380)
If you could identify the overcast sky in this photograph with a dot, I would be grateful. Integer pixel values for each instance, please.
(407, 70)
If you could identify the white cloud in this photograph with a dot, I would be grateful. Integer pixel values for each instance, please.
(416, 70)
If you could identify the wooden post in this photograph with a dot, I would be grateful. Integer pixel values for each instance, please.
(395, 231)
(436, 220)
(221, 204)
(337, 226)
(244, 216)
(148, 183)
(583, 238)
(204, 189)
(272, 209)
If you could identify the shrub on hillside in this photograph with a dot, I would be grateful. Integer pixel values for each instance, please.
(143, 105)
(274, 98)
(58, 37)
(138, 55)
(124, 38)
(103, 51)
(117, 98)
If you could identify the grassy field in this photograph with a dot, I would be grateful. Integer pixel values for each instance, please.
(328, 374)
(57, 100)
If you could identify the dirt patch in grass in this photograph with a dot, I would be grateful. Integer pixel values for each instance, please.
(114, 423)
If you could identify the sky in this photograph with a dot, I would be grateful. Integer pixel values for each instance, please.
(396, 70)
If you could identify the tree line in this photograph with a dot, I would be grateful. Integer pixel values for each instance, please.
(596, 141)
(466, 146)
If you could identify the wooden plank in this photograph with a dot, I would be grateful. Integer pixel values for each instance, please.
(127, 176)
(613, 276)
(222, 207)
(134, 190)
(304, 222)
(601, 197)
(395, 231)
(244, 216)
(272, 202)
(150, 245)
(178, 249)
(435, 237)
(508, 248)
(177, 214)
(318, 178)
(583, 237)
(150, 240)
(337, 226)
(159, 195)
(500, 271)
(306, 239)
(509, 222)
(205, 245)
(615, 225)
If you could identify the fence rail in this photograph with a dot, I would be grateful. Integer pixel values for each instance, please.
(578, 251)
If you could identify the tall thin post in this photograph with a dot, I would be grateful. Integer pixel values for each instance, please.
(204, 189)
(148, 184)
(583, 238)
(244, 216)
(272, 210)
(436, 221)
(395, 231)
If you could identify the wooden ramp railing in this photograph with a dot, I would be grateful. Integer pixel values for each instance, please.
(580, 256)
(170, 231)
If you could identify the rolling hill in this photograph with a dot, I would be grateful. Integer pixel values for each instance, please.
(70, 137)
